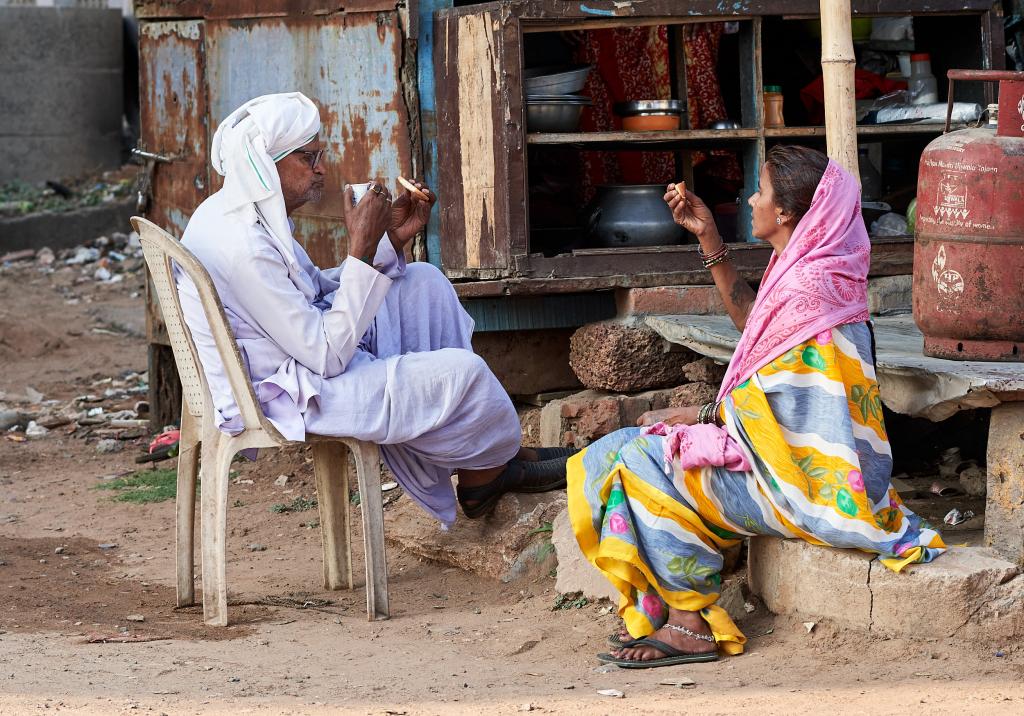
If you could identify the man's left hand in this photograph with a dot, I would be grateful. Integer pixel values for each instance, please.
(409, 214)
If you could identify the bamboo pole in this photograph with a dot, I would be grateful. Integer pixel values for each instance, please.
(837, 69)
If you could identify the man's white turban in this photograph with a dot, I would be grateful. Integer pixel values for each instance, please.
(245, 148)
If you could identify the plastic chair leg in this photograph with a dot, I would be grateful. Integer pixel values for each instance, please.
(217, 451)
(370, 501)
(185, 507)
(330, 467)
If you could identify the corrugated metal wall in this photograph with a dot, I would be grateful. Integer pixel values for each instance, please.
(196, 71)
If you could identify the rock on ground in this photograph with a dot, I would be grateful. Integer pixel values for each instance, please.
(511, 543)
(625, 356)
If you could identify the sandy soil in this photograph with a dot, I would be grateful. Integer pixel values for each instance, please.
(457, 643)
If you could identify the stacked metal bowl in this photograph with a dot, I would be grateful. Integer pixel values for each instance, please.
(552, 102)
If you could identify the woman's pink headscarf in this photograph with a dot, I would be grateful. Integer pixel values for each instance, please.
(818, 282)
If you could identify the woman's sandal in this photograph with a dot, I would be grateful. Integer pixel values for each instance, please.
(615, 641)
(518, 476)
(672, 656)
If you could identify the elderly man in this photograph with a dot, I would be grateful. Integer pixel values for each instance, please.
(374, 349)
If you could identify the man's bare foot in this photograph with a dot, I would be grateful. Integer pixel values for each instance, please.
(682, 642)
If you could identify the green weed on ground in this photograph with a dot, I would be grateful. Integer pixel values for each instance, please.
(299, 504)
(144, 486)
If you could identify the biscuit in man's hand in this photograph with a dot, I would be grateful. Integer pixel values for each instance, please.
(681, 190)
(412, 189)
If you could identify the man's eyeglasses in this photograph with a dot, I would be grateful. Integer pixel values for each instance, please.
(312, 158)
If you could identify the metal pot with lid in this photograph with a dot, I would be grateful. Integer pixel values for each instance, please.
(630, 215)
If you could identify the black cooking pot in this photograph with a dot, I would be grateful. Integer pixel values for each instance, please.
(625, 215)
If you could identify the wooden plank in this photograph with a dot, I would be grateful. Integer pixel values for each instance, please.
(450, 208)
(604, 13)
(867, 130)
(240, 9)
(682, 136)
(752, 88)
(594, 270)
(512, 156)
(751, 82)
(993, 48)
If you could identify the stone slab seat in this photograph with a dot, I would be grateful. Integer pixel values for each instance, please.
(200, 434)
(968, 591)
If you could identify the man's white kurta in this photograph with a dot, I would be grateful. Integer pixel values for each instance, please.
(380, 355)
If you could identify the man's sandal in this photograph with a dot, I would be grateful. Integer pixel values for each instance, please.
(518, 476)
(555, 453)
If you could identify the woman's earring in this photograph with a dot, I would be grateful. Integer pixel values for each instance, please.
(778, 220)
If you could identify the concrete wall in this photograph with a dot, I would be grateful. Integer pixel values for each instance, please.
(60, 92)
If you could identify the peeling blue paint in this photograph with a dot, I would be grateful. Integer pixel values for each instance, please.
(428, 115)
(596, 11)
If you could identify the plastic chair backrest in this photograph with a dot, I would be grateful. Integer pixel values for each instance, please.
(160, 248)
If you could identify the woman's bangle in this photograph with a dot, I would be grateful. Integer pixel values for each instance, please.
(708, 414)
(715, 257)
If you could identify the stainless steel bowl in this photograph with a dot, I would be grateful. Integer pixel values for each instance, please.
(554, 113)
(555, 80)
(650, 106)
(724, 124)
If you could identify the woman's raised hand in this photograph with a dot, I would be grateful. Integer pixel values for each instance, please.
(691, 213)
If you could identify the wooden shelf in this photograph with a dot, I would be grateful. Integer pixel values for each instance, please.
(863, 130)
(645, 140)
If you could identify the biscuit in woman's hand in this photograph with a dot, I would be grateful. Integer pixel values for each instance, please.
(413, 189)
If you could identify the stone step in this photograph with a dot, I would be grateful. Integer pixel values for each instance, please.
(967, 591)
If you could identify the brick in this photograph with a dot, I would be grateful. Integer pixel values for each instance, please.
(669, 300)
(586, 416)
(528, 362)
(692, 394)
(704, 370)
(625, 356)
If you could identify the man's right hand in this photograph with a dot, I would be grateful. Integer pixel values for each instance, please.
(367, 221)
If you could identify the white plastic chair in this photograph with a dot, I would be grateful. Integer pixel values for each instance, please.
(198, 431)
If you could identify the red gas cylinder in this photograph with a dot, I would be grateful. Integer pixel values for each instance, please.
(969, 247)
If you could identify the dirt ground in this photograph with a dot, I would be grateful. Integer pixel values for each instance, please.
(74, 564)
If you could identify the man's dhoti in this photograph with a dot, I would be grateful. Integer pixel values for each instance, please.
(416, 388)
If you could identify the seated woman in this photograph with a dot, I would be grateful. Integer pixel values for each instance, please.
(795, 445)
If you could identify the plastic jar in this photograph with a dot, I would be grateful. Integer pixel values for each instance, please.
(922, 85)
(773, 106)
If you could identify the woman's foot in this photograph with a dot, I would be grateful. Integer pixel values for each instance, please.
(686, 643)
